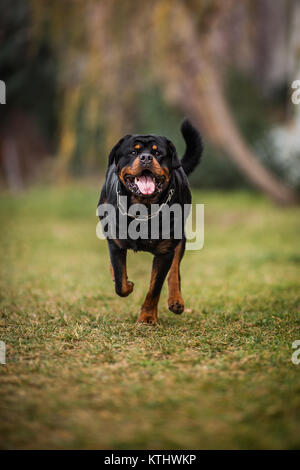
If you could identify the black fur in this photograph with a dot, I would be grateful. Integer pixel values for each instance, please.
(158, 156)
(194, 147)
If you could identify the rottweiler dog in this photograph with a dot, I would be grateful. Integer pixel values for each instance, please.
(145, 169)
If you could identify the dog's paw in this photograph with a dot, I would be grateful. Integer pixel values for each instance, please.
(126, 290)
(147, 318)
(176, 306)
(130, 286)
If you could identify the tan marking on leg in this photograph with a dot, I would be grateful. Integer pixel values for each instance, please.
(149, 308)
(175, 302)
(127, 286)
(112, 273)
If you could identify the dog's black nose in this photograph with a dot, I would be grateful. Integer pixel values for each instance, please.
(146, 159)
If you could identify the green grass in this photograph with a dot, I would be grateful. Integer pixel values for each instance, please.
(81, 373)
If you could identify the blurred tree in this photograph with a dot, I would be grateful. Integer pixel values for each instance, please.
(28, 119)
(111, 53)
(198, 90)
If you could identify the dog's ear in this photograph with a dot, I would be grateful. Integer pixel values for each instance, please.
(113, 156)
(173, 153)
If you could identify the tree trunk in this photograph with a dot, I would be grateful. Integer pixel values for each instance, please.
(199, 93)
(219, 125)
(11, 165)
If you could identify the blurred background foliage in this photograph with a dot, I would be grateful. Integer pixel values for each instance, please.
(79, 75)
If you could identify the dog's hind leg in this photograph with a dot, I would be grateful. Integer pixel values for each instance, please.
(175, 302)
(118, 270)
(160, 268)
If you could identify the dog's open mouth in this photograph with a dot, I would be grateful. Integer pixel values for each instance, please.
(145, 183)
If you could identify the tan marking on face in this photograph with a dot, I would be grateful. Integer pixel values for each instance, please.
(159, 170)
(154, 147)
(133, 170)
(137, 146)
(136, 169)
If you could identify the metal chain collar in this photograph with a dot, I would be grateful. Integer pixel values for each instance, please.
(123, 210)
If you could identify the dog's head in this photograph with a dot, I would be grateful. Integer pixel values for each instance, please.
(144, 163)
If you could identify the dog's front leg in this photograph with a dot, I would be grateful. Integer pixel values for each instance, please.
(160, 268)
(175, 302)
(123, 287)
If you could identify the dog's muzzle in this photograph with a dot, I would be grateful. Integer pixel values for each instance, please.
(146, 159)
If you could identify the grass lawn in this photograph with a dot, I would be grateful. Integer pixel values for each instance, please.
(80, 373)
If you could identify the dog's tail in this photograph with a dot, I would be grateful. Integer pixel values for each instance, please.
(194, 147)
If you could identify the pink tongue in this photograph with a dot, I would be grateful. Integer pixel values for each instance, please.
(145, 184)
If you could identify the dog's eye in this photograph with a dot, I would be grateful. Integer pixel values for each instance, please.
(155, 150)
(133, 152)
